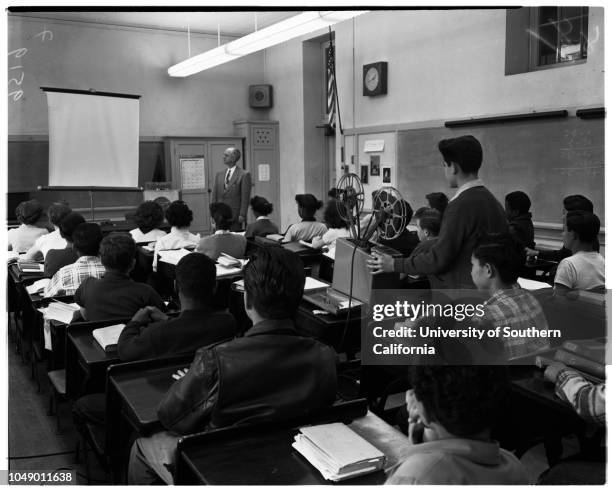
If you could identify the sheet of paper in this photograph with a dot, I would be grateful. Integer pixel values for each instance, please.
(374, 146)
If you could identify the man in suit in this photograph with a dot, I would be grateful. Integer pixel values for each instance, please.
(233, 187)
(472, 212)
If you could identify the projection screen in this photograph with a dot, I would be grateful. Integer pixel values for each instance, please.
(93, 139)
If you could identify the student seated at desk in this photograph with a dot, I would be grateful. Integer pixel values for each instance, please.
(148, 217)
(496, 261)
(179, 217)
(58, 258)
(87, 237)
(451, 411)
(115, 295)
(270, 374)
(585, 268)
(222, 240)
(262, 225)
(428, 227)
(574, 202)
(520, 225)
(56, 213)
(22, 238)
(152, 334)
(308, 227)
(336, 228)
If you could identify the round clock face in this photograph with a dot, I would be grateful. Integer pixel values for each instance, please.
(372, 79)
(259, 96)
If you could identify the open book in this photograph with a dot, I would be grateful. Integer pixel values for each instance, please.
(337, 451)
(63, 312)
(172, 256)
(228, 261)
(38, 286)
(107, 337)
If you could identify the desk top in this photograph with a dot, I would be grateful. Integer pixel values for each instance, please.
(276, 463)
(88, 348)
(540, 390)
(20, 277)
(141, 393)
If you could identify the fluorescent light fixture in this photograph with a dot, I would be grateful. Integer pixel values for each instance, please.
(280, 32)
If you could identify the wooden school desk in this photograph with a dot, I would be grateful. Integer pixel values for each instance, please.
(261, 456)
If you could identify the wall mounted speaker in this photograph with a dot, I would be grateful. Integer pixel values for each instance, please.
(260, 96)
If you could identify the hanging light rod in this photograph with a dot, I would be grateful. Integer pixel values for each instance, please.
(280, 32)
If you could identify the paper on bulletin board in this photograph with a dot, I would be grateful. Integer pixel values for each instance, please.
(263, 172)
(192, 173)
(374, 146)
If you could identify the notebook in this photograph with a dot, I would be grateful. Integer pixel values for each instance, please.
(38, 286)
(172, 256)
(107, 337)
(337, 451)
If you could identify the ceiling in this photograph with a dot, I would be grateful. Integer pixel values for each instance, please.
(235, 23)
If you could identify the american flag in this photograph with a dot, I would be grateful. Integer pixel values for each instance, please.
(331, 86)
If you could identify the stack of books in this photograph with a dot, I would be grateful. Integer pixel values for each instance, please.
(30, 267)
(108, 337)
(337, 451)
(586, 356)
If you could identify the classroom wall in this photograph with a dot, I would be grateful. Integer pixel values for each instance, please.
(127, 60)
(450, 65)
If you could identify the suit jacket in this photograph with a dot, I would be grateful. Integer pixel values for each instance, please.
(236, 195)
(191, 330)
(115, 296)
(214, 245)
(270, 374)
(471, 214)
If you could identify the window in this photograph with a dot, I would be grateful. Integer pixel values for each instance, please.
(545, 37)
(559, 35)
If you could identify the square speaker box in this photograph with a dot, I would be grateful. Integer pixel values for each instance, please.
(260, 96)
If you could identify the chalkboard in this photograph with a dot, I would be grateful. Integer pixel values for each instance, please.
(547, 159)
(28, 167)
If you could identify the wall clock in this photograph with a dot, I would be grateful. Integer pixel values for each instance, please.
(375, 78)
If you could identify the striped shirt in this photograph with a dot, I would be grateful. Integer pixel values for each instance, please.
(517, 309)
(68, 278)
(587, 398)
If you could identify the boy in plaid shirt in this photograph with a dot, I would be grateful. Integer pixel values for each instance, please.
(86, 237)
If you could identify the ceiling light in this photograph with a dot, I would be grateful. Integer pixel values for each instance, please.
(280, 32)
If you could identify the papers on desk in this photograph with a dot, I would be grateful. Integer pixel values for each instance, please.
(311, 284)
(63, 312)
(275, 237)
(532, 284)
(173, 256)
(307, 244)
(228, 261)
(337, 451)
(38, 286)
(108, 337)
(226, 271)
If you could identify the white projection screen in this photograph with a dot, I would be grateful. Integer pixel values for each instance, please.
(93, 140)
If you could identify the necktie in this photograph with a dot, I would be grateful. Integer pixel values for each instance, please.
(227, 178)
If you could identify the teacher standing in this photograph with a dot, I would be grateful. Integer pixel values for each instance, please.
(233, 187)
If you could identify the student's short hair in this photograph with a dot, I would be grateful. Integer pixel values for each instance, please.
(308, 203)
(196, 276)
(577, 202)
(518, 201)
(221, 213)
(69, 223)
(149, 215)
(465, 151)
(117, 250)
(465, 400)
(429, 219)
(585, 224)
(57, 212)
(86, 238)
(261, 205)
(331, 216)
(274, 282)
(29, 212)
(502, 251)
(178, 214)
(438, 201)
